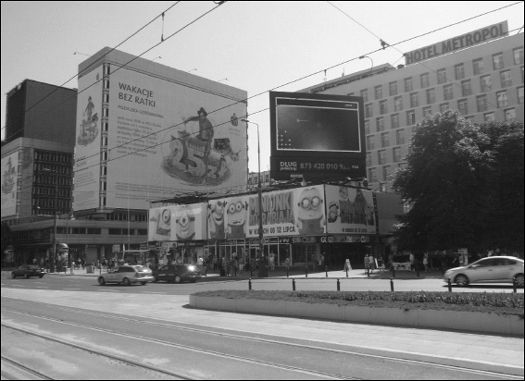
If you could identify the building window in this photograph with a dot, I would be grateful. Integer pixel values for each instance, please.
(370, 142)
(425, 80)
(414, 100)
(394, 118)
(392, 88)
(505, 78)
(411, 117)
(398, 103)
(459, 71)
(400, 137)
(463, 106)
(448, 92)
(378, 92)
(385, 139)
(441, 76)
(489, 117)
(497, 61)
(381, 156)
(478, 66)
(481, 102)
(397, 154)
(364, 95)
(383, 107)
(443, 107)
(466, 89)
(380, 124)
(368, 110)
(368, 159)
(485, 83)
(519, 91)
(431, 95)
(518, 56)
(367, 126)
(427, 112)
(408, 84)
(510, 114)
(501, 99)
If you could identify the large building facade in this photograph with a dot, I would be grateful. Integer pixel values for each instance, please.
(483, 82)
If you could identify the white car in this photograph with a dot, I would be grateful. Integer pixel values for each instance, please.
(126, 275)
(497, 269)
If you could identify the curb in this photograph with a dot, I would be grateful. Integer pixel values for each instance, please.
(465, 321)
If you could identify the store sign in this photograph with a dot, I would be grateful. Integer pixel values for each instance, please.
(457, 43)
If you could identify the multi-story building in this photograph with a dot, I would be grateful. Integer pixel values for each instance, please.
(483, 82)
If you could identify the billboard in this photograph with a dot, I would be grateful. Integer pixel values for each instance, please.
(178, 223)
(87, 144)
(317, 136)
(349, 210)
(9, 184)
(165, 138)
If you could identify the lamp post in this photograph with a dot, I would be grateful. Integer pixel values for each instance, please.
(55, 242)
(259, 187)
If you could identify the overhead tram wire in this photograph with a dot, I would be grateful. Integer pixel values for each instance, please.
(277, 87)
(264, 92)
(90, 66)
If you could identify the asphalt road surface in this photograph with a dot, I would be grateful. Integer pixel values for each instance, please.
(71, 328)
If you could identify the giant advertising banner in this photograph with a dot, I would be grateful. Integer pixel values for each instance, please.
(316, 136)
(87, 147)
(167, 138)
(178, 223)
(9, 184)
(291, 212)
(349, 210)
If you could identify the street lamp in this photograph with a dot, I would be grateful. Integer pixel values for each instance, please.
(55, 242)
(259, 188)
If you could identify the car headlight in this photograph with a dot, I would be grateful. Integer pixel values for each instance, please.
(191, 268)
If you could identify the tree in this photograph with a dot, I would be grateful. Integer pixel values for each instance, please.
(464, 182)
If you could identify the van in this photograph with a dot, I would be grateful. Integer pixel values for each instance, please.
(401, 262)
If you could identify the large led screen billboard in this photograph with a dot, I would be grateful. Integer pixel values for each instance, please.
(317, 136)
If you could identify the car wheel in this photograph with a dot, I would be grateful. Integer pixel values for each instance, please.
(461, 280)
(177, 279)
(13, 275)
(101, 281)
(40, 276)
(126, 282)
(143, 283)
(518, 280)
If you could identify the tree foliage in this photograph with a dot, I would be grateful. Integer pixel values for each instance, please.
(464, 182)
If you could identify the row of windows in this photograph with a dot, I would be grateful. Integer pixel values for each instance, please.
(478, 67)
(386, 171)
(482, 104)
(47, 234)
(51, 156)
(430, 95)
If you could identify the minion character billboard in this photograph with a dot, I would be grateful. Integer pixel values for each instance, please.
(236, 218)
(310, 215)
(216, 217)
(160, 219)
(189, 222)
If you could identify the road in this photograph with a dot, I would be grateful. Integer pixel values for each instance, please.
(71, 328)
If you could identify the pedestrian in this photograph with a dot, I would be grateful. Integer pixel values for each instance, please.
(425, 262)
(367, 263)
(412, 267)
(347, 266)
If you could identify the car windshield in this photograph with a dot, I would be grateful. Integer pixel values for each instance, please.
(401, 258)
(140, 268)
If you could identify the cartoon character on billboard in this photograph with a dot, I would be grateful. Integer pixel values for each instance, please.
(333, 211)
(310, 216)
(164, 222)
(216, 219)
(9, 178)
(185, 225)
(200, 159)
(237, 213)
(88, 126)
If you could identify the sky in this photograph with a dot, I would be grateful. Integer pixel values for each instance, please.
(253, 46)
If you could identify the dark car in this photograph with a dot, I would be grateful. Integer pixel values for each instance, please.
(28, 271)
(177, 273)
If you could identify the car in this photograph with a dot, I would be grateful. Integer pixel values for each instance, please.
(401, 262)
(177, 273)
(126, 275)
(28, 271)
(495, 269)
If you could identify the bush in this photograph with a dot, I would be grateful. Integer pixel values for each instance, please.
(500, 303)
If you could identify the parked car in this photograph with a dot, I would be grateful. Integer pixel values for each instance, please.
(401, 261)
(177, 273)
(28, 271)
(496, 269)
(126, 275)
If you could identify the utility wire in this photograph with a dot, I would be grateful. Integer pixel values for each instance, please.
(91, 65)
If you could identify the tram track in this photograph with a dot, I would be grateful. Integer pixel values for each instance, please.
(253, 338)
